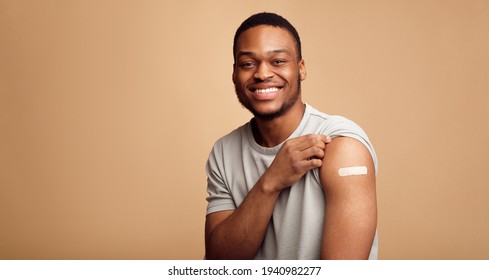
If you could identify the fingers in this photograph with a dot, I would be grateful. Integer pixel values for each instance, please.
(296, 157)
(306, 141)
(313, 152)
(309, 151)
(313, 163)
(311, 145)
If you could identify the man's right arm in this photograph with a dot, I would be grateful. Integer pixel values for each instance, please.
(238, 234)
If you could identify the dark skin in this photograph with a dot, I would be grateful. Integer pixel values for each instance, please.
(266, 75)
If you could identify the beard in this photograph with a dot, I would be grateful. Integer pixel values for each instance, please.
(273, 115)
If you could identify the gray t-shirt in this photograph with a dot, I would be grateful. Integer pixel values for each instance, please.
(235, 164)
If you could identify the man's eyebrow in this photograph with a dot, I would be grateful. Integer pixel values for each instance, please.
(245, 53)
(250, 53)
(279, 51)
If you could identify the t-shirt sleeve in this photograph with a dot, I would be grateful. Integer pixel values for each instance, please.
(219, 197)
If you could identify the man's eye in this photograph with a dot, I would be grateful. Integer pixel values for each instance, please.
(247, 64)
(279, 61)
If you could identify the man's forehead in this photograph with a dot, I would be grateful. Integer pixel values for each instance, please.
(265, 33)
(265, 38)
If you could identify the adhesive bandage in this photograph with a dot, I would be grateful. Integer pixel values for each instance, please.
(352, 170)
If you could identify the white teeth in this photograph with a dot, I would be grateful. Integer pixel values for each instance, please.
(272, 89)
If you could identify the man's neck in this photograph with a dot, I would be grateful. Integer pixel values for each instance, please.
(270, 133)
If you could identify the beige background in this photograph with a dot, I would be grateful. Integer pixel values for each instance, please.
(108, 110)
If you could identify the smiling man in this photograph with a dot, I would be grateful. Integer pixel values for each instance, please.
(293, 183)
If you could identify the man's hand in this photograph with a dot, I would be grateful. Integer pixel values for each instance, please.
(295, 158)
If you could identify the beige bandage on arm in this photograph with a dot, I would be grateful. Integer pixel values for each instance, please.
(352, 170)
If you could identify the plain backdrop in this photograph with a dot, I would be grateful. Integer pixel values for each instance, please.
(108, 110)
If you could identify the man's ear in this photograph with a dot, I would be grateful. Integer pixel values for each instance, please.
(302, 70)
(234, 73)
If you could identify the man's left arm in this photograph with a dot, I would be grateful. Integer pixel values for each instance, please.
(348, 179)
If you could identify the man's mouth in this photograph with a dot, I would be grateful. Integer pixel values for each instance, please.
(266, 90)
(265, 93)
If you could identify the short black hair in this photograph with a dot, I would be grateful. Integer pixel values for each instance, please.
(270, 19)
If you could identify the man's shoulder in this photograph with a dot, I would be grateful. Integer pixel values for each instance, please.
(332, 125)
(232, 138)
(337, 126)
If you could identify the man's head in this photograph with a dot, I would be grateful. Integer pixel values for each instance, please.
(268, 67)
(270, 19)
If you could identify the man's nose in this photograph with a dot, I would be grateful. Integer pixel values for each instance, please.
(263, 72)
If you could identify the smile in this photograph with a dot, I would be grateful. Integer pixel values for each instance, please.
(267, 90)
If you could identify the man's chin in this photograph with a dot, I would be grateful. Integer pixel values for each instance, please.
(267, 116)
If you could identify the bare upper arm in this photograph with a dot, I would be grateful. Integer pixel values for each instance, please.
(345, 152)
(351, 209)
(214, 219)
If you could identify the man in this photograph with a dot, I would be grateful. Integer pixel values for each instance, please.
(293, 183)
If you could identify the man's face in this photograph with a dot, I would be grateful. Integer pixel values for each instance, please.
(267, 72)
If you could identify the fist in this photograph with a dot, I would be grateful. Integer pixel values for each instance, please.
(295, 158)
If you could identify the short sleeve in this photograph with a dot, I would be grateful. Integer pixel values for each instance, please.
(219, 197)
